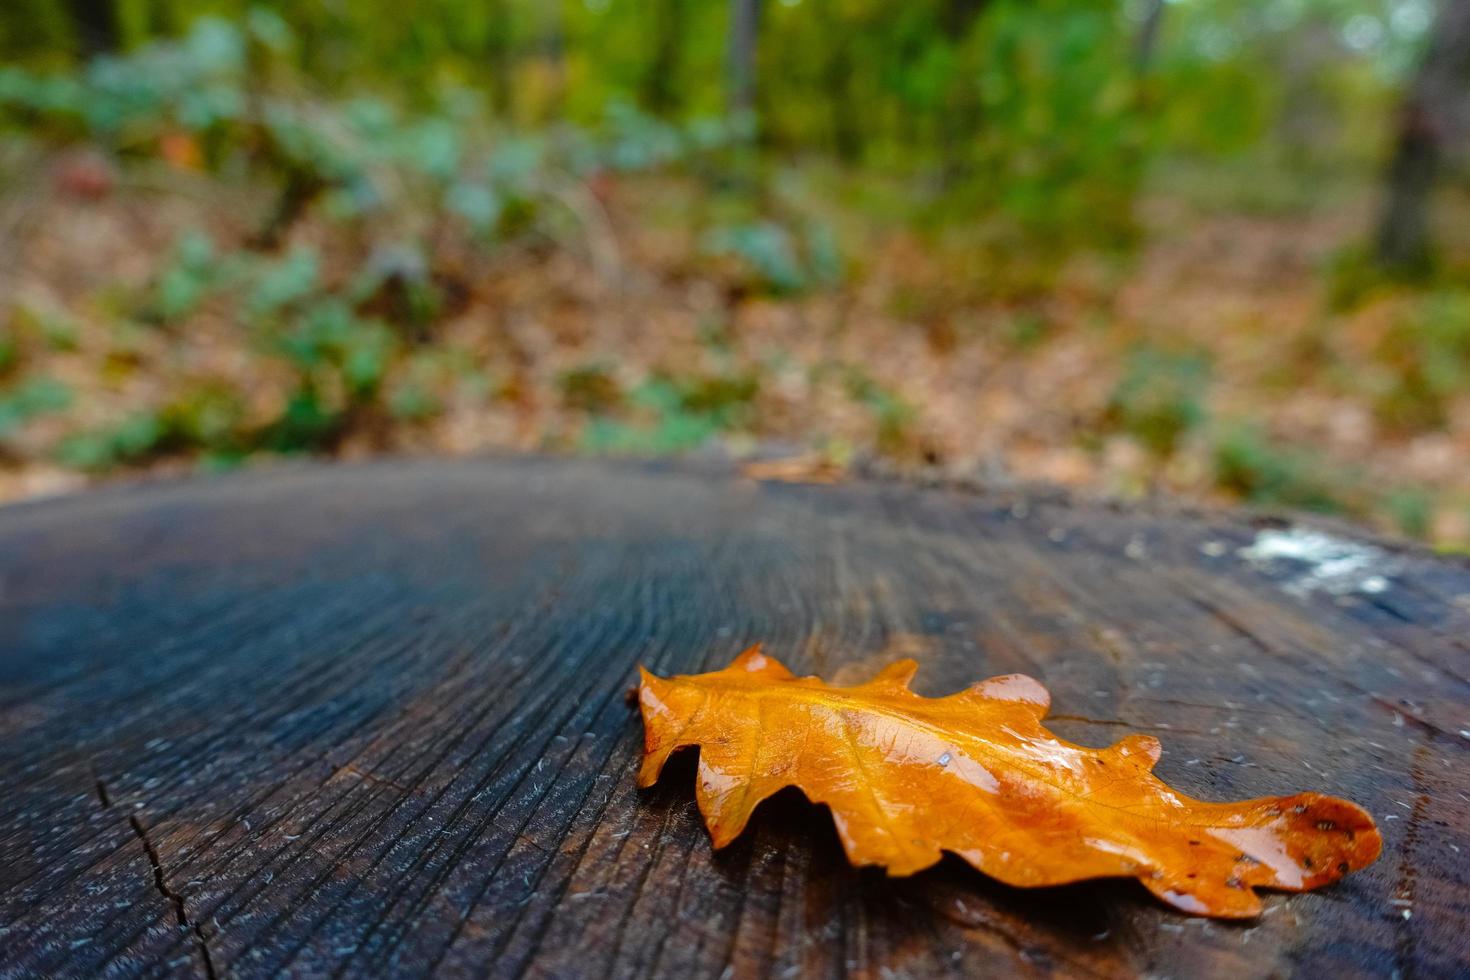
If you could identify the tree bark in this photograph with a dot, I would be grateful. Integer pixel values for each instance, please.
(95, 24)
(958, 15)
(1403, 230)
(1435, 112)
(837, 71)
(555, 46)
(1148, 36)
(741, 55)
(961, 114)
(660, 88)
(499, 50)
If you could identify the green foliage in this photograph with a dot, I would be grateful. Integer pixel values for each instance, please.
(29, 399)
(183, 283)
(1427, 353)
(1159, 397)
(192, 84)
(9, 353)
(29, 331)
(208, 415)
(590, 388)
(270, 287)
(1412, 510)
(1248, 463)
(893, 415)
(675, 414)
(391, 158)
(1020, 111)
(1026, 330)
(354, 158)
(306, 423)
(58, 332)
(779, 261)
(327, 340)
(1354, 277)
(412, 393)
(137, 437)
(1265, 183)
(768, 250)
(1060, 148)
(412, 401)
(724, 398)
(1035, 116)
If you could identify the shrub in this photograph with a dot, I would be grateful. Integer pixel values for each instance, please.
(1160, 396)
(1251, 465)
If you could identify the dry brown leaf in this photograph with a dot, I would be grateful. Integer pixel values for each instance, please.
(795, 469)
(976, 774)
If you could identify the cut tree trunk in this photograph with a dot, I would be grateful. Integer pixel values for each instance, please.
(371, 720)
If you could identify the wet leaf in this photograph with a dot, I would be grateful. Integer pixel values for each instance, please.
(976, 774)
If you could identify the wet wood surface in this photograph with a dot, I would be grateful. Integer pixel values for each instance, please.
(341, 721)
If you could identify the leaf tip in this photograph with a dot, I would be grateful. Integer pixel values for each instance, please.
(1015, 687)
(649, 684)
(648, 772)
(752, 660)
(1221, 903)
(897, 674)
(1141, 748)
(1330, 836)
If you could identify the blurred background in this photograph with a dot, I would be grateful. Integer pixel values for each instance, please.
(1212, 248)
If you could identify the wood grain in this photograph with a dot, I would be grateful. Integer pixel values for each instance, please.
(341, 721)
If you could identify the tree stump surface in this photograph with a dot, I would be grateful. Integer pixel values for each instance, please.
(352, 720)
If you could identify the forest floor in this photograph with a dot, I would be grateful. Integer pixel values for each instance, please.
(1216, 362)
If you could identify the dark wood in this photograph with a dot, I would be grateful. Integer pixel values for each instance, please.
(371, 719)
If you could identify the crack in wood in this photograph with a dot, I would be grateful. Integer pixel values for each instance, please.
(160, 881)
(352, 770)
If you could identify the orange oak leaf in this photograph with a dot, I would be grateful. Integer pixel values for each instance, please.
(976, 773)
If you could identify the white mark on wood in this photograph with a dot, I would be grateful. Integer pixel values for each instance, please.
(1319, 562)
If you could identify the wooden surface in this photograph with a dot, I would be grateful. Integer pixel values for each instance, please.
(367, 720)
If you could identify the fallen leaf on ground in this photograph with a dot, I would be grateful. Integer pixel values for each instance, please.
(795, 469)
(976, 774)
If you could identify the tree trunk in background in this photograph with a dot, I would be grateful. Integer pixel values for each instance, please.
(837, 76)
(660, 91)
(958, 15)
(962, 116)
(1148, 36)
(847, 131)
(555, 45)
(1435, 112)
(499, 51)
(95, 24)
(745, 18)
(1403, 230)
